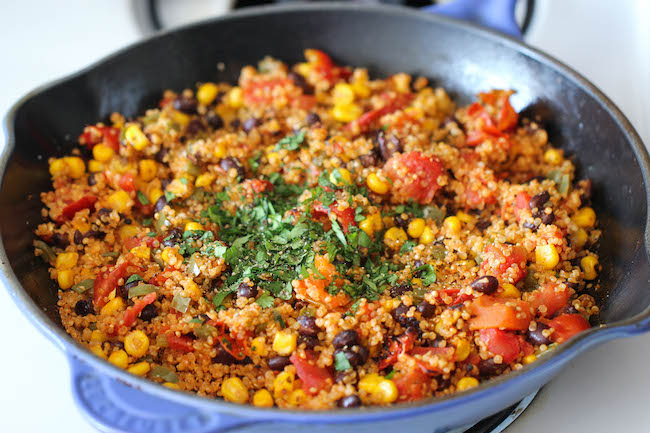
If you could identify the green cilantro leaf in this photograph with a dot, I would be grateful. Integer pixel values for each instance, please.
(265, 301)
(142, 198)
(428, 274)
(133, 278)
(169, 196)
(291, 142)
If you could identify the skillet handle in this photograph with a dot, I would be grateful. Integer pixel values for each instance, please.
(496, 14)
(112, 406)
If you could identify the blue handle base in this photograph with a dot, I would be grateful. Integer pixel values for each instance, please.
(496, 14)
(114, 407)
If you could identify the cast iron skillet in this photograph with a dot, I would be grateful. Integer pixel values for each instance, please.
(463, 58)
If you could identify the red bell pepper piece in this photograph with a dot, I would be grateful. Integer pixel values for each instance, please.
(133, 312)
(313, 377)
(181, 343)
(503, 343)
(106, 282)
(566, 326)
(85, 202)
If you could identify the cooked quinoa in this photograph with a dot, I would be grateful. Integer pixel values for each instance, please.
(314, 238)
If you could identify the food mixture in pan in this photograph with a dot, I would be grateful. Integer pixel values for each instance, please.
(314, 238)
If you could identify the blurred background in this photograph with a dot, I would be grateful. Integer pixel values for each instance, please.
(608, 41)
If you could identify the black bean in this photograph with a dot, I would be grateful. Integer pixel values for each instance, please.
(250, 124)
(530, 225)
(149, 312)
(368, 160)
(426, 309)
(104, 212)
(388, 146)
(123, 292)
(194, 127)
(482, 224)
(277, 363)
(397, 291)
(84, 307)
(132, 284)
(345, 338)
(567, 309)
(309, 341)
(299, 81)
(487, 367)
(95, 234)
(162, 155)
(539, 200)
(60, 240)
(312, 118)
(231, 162)
(547, 218)
(400, 312)
(160, 203)
(536, 336)
(223, 356)
(357, 355)
(307, 325)
(537, 178)
(246, 291)
(214, 120)
(186, 105)
(235, 123)
(349, 401)
(411, 323)
(486, 284)
(571, 285)
(91, 179)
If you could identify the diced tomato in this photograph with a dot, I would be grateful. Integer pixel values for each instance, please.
(313, 287)
(181, 343)
(324, 66)
(344, 214)
(503, 343)
(491, 312)
(304, 102)
(313, 377)
(260, 185)
(127, 182)
(94, 135)
(566, 326)
(261, 91)
(366, 120)
(508, 117)
(484, 126)
(412, 384)
(106, 282)
(85, 202)
(520, 206)
(550, 296)
(402, 344)
(133, 312)
(414, 176)
(506, 262)
(135, 241)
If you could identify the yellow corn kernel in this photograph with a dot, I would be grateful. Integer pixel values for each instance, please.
(263, 398)
(462, 350)
(112, 306)
(207, 93)
(361, 88)
(136, 343)
(65, 279)
(204, 180)
(103, 153)
(346, 113)
(283, 384)
(297, 397)
(180, 188)
(193, 226)
(171, 256)
(258, 346)
(580, 238)
(120, 201)
(192, 289)
(180, 118)
(377, 222)
(235, 97)
(529, 359)
(95, 166)
(340, 176)
(377, 184)
(452, 224)
(57, 167)
(128, 231)
(139, 369)
(464, 217)
(466, 383)
(220, 150)
(171, 385)
(553, 156)
(402, 82)
(233, 389)
(284, 343)
(141, 251)
(416, 282)
(377, 389)
(155, 194)
(97, 337)
(135, 137)
(274, 158)
(585, 217)
(367, 226)
(427, 236)
(416, 227)
(510, 291)
(395, 237)
(76, 166)
(119, 359)
(343, 94)
(588, 265)
(547, 256)
(303, 69)
(66, 260)
(98, 350)
(148, 169)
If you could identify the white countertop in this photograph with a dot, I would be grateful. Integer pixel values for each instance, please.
(602, 391)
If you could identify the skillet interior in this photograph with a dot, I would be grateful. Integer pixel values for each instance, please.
(463, 60)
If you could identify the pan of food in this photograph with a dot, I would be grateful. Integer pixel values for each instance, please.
(348, 217)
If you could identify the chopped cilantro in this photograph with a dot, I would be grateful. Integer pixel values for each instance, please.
(391, 374)
(169, 196)
(427, 274)
(265, 301)
(217, 299)
(142, 198)
(152, 234)
(341, 362)
(291, 142)
(407, 246)
(278, 318)
(133, 278)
